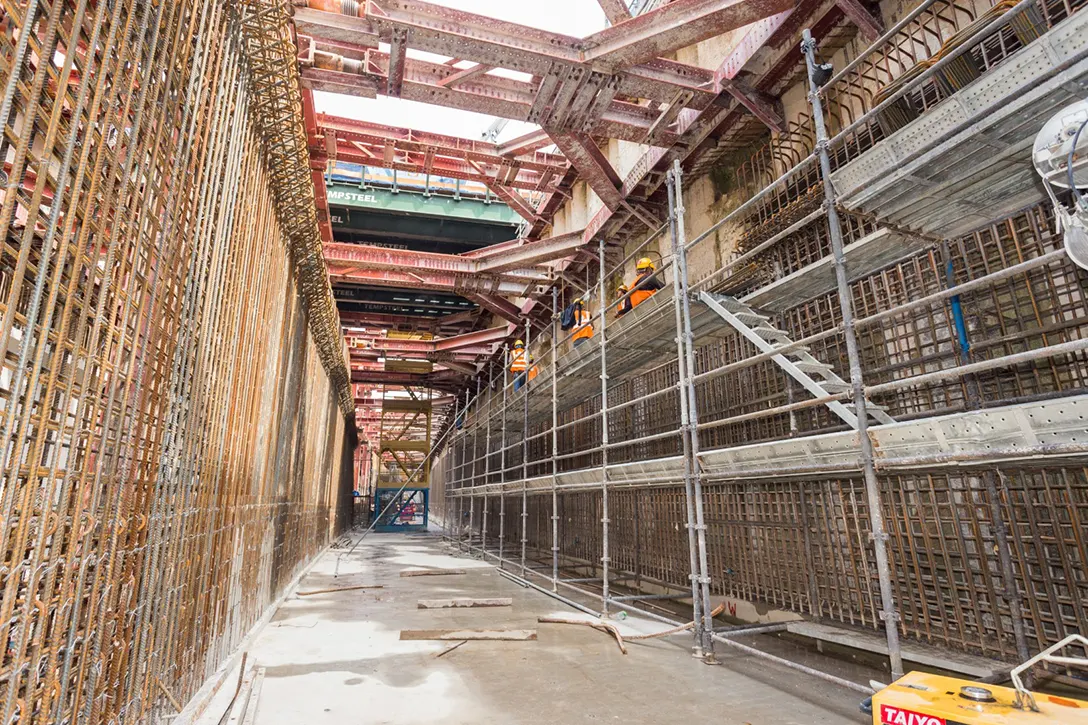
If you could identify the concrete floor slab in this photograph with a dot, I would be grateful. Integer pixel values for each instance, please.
(337, 658)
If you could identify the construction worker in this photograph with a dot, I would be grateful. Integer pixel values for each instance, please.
(582, 318)
(625, 304)
(645, 284)
(533, 371)
(518, 363)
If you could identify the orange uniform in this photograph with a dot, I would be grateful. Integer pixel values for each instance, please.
(644, 287)
(517, 361)
(585, 329)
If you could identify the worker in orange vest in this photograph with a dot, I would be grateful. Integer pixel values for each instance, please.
(645, 284)
(582, 319)
(518, 363)
(625, 302)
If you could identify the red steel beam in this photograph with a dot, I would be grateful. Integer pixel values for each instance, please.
(498, 44)
(441, 380)
(367, 257)
(398, 55)
(405, 323)
(516, 261)
(488, 94)
(532, 141)
(479, 342)
(525, 252)
(376, 134)
(439, 282)
(510, 198)
(469, 36)
(463, 75)
(592, 165)
(463, 368)
(497, 305)
(680, 24)
(870, 26)
(407, 150)
(615, 10)
(478, 337)
(757, 103)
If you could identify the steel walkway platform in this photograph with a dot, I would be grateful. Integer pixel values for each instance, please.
(967, 161)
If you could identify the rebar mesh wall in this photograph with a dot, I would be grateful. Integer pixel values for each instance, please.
(173, 450)
(804, 545)
(790, 544)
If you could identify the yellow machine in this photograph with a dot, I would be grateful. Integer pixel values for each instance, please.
(923, 699)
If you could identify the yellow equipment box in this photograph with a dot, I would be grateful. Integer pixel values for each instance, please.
(923, 699)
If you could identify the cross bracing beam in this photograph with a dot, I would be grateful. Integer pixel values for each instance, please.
(479, 342)
(446, 380)
(567, 79)
(349, 272)
(415, 350)
(497, 305)
(492, 95)
(406, 323)
(366, 142)
(517, 262)
(522, 252)
(593, 166)
(365, 256)
(870, 26)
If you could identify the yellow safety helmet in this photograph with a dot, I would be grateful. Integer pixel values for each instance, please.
(519, 343)
(578, 301)
(644, 264)
(623, 289)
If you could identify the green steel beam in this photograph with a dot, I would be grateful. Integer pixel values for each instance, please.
(350, 196)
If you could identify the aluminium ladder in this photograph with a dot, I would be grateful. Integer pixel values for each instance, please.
(817, 377)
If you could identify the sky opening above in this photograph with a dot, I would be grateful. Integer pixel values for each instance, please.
(571, 17)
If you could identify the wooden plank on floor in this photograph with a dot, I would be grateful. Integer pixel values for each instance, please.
(463, 603)
(509, 635)
(431, 572)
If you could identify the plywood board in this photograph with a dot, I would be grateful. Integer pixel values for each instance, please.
(431, 572)
(464, 603)
(512, 635)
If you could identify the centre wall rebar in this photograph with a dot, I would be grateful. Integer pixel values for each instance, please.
(173, 444)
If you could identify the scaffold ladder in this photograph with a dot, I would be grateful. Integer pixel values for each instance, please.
(814, 375)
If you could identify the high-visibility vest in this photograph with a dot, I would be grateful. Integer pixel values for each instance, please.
(640, 296)
(582, 317)
(645, 292)
(517, 361)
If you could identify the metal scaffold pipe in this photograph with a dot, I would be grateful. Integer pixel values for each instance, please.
(555, 439)
(685, 429)
(693, 410)
(502, 462)
(605, 559)
(889, 613)
(528, 361)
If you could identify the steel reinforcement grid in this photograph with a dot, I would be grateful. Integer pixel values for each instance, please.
(172, 431)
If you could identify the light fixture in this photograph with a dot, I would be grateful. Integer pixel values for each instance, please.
(1060, 158)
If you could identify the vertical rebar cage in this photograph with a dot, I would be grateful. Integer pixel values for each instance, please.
(172, 430)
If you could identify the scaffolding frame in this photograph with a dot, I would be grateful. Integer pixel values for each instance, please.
(987, 459)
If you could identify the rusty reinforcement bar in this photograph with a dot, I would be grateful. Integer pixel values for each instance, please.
(173, 446)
